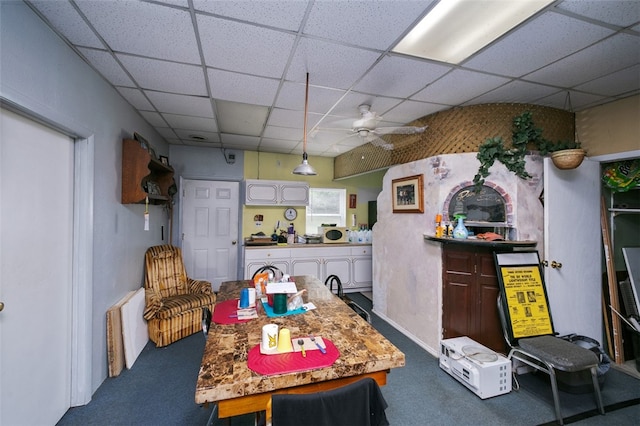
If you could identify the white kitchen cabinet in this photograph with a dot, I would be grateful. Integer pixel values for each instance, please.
(352, 264)
(361, 268)
(256, 258)
(260, 192)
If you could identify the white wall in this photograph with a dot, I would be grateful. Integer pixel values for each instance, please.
(41, 74)
(407, 269)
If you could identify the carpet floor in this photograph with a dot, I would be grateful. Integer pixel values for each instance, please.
(159, 390)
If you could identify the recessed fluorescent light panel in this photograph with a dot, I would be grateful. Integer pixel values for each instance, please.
(456, 29)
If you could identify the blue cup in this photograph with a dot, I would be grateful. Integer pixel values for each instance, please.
(244, 298)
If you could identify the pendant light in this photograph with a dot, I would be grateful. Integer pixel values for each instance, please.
(305, 168)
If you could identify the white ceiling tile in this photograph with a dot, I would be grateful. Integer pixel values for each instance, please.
(375, 25)
(577, 102)
(279, 14)
(63, 16)
(623, 14)
(278, 143)
(191, 123)
(348, 107)
(166, 132)
(533, 46)
(243, 119)
(408, 111)
(237, 87)
(105, 63)
(234, 46)
(458, 86)
(292, 96)
(241, 140)
(617, 83)
(135, 98)
(592, 62)
(181, 104)
(165, 76)
(286, 133)
(321, 60)
(399, 76)
(197, 135)
(515, 92)
(153, 118)
(144, 29)
(294, 119)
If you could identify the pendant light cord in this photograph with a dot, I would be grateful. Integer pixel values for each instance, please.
(306, 106)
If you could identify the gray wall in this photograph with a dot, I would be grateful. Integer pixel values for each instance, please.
(42, 75)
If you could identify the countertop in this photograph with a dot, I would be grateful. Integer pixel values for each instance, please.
(300, 245)
(482, 243)
(224, 373)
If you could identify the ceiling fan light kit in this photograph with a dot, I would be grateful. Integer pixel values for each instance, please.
(305, 168)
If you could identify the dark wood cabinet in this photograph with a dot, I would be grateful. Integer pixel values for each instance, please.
(144, 176)
(470, 290)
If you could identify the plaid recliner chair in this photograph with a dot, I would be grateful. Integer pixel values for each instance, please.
(174, 301)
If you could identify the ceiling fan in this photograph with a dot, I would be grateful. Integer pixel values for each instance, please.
(366, 128)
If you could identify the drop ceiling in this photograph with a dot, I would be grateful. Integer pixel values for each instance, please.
(231, 74)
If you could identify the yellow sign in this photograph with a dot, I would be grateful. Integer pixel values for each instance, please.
(526, 301)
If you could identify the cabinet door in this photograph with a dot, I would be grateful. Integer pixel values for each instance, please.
(261, 192)
(470, 291)
(340, 266)
(361, 267)
(294, 194)
(308, 266)
(488, 330)
(457, 292)
(253, 265)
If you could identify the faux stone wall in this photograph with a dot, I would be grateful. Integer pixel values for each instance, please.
(407, 269)
(457, 130)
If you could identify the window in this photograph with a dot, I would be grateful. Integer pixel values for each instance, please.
(326, 205)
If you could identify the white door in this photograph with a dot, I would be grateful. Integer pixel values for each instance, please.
(36, 205)
(573, 238)
(210, 230)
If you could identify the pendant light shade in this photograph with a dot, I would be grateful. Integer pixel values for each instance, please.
(305, 168)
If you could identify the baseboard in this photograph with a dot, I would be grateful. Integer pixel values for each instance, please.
(423, 345)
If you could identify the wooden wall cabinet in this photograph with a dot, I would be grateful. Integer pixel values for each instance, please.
(138, 169)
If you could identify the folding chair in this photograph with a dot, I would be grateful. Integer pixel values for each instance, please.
(524, 313)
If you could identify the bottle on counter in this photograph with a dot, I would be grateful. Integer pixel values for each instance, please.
(439, 229)
(460, 230)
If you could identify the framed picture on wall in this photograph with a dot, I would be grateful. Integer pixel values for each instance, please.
(352, 201)
(407, 194)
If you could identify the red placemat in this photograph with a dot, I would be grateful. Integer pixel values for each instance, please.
(293, 361)
(222, 311)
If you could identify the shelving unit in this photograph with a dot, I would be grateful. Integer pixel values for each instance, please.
(140, 171)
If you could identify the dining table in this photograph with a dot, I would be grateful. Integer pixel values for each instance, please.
(355, 350)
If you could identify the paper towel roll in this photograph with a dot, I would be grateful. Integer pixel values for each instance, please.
(269, 337)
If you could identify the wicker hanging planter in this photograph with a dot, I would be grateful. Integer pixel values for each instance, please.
(568, 158)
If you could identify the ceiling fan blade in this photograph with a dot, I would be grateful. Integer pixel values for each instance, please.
(380, 143)
(402, 130)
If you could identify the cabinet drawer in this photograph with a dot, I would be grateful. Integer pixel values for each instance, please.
(361, 251)
(266, 254)
(319, 252)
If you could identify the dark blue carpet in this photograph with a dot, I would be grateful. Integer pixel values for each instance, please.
(159, 390)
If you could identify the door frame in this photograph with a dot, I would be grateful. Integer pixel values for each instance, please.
(82, 255)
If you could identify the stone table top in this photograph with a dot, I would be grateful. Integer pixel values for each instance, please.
(224, 373)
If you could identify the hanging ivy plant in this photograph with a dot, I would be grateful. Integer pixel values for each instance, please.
(513, 157)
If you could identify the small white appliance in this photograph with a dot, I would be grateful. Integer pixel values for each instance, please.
(483, 371)
(334, 234)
